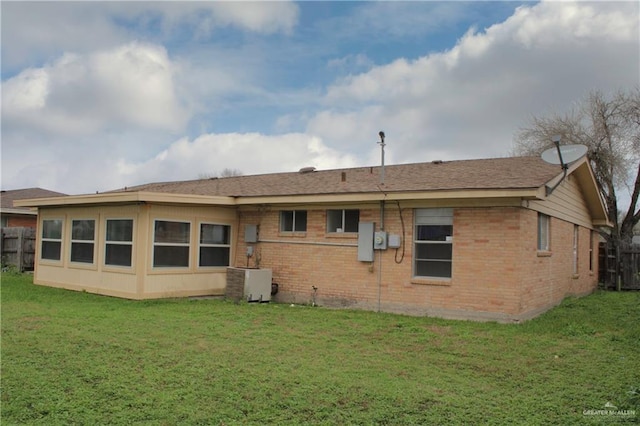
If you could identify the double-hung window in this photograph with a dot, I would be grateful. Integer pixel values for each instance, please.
(51, 247)
(343, 220)
(215, 244)
(118, 242)
(433, 251)
(293, 221)
(543, 232)
(83, 235)
(171, 244)
(576, 234)
(591, 253)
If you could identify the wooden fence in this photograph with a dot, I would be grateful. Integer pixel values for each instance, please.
(620, 266)
(18, 248)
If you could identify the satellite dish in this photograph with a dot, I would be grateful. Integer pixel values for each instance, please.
(568, 154)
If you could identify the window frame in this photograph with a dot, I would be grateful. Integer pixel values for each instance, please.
(108, 242)
(201, 244)
(170, 244)
(576, 250)
(343, 221)
(294, 221)
(436, 217)
(73, 241)
(543, 238)
(591, 251)
(44, 239)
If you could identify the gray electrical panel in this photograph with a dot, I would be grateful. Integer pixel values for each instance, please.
(395, 241)
(251, 233)
(365, 241)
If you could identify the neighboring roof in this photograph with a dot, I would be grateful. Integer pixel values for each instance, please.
(498, 173)
(8, 197)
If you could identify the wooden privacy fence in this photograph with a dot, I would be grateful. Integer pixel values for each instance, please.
(18, 248)
(620, 266)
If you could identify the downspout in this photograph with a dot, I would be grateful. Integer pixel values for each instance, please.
(380, 257)
(382, 145)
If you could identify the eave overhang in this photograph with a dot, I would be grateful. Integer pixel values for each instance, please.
(19, 211)
(529, 193)
(127, 198)
(166, 198)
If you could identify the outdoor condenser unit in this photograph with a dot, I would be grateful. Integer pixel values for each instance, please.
(257, 285)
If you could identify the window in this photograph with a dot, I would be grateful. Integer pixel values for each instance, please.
(51, 239)
(214, 244)
(171, 244)
(343, 220)
(576, 233)
(293, 221)
(591, 234)
(433, 256)
(543, 232)
(82, 240)
(119, 242)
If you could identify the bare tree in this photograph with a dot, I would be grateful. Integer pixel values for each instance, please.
(610, 128)
(230, 173)
(225, 173)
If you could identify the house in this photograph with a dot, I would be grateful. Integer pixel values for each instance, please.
(495, 239)
(12, 216)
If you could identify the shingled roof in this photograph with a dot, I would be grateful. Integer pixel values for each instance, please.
(497, 173)
(8, 197)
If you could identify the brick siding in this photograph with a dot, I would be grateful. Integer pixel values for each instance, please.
(14, 221)
(497, 273)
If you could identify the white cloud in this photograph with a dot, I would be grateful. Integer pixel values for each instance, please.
(257, 16)
(132, 85)
(469, 101)
(121, 113)
(212, 153)
(39, 31)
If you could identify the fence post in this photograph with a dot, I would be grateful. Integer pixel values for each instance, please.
(20, 249)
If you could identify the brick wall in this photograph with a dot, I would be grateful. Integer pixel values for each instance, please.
(25, 221)
(549, 277)
(497, 271)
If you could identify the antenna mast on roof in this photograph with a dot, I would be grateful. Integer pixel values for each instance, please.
(382, 144)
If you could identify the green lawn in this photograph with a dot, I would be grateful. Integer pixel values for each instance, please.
(77, 358)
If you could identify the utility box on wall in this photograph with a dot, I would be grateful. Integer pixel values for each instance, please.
(251, 233)
(394, 241)
(380, 240)
(365, 241)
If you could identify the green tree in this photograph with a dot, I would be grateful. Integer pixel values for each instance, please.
(610, 128)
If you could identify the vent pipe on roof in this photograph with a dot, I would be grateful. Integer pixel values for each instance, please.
(382, 144)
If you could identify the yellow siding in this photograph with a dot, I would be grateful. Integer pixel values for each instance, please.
(140, 280)
(566, 203)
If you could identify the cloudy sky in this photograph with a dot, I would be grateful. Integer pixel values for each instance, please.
(101, 95)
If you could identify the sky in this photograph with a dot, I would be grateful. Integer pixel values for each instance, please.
(101, 95)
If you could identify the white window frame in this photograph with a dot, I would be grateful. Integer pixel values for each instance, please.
(108, 242)
(544, 232)
(432, 217)
(294, 214)
(162, 244)
(201, 244)
(576, 245)
(79, 241)
(591, 251)
(341, 228)
(52, 240)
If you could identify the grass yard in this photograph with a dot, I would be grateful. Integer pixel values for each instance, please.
(77, 358)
